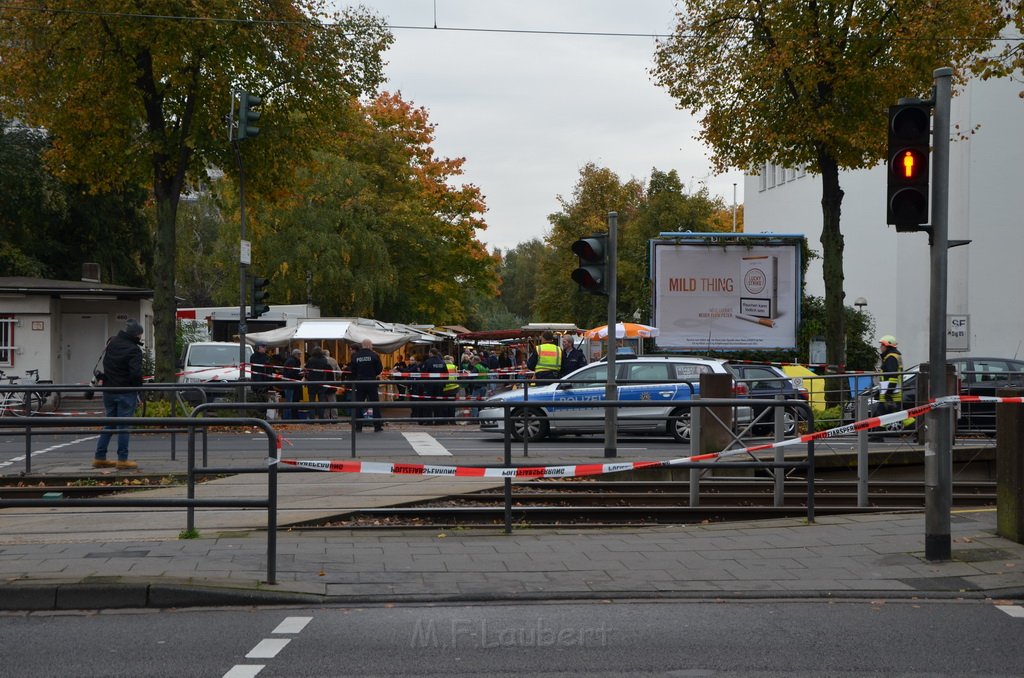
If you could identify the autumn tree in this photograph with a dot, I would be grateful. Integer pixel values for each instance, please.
(598, 191)
(665, 206)
(379, 223)
(808, 84)
(1008, 60)
(139, 97)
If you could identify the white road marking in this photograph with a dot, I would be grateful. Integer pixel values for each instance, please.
(244, 671)
(268, 648)
(426, 445)
(36, 453)
(1012, 610)
(292, 624)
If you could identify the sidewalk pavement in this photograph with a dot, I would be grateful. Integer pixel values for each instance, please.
(862, 556)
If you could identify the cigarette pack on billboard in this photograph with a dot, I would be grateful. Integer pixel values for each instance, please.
(759, 286)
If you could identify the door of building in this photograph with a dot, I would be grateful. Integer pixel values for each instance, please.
(83, 336)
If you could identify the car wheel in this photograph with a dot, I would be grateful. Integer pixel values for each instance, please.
(790, 421)
(529, 424)
(679, 425)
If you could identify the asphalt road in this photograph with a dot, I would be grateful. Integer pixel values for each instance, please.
(72, 451)
(714, 638)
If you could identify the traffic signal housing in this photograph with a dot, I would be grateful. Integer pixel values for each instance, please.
(593, 263)
(259, 296)
(247, 115)
(909, 151)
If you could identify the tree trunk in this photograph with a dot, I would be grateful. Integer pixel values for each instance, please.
(164, 264)
(832, 269)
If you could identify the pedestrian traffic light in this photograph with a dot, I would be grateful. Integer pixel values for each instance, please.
(909, 149)
(259, 296)
(247, 116)
(593, 263)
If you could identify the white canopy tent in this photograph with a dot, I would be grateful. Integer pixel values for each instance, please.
(337, 329)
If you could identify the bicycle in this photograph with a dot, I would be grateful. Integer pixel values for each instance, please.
(21, 403)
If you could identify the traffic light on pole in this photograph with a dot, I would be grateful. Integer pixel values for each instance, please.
(259, 296)
(247, 115)
(593, 263)
(909, 150)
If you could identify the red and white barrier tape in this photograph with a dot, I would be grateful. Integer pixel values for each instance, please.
(579, 470)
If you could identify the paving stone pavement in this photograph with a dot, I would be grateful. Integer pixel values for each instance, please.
(876, 555)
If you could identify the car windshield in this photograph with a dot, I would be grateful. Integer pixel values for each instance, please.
(214, 356)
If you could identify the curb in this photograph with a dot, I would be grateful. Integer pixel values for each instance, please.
(110, 596)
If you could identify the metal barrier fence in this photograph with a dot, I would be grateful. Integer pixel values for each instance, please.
(696, 407)
(190, 503)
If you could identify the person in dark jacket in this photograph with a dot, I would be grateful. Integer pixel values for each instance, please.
(366, 367)
(572, 357)
(318, 368)
(122, 370)
(434, 387)
(260, 371)
(292, 370)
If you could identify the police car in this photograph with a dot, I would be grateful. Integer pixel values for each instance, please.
(562, 407)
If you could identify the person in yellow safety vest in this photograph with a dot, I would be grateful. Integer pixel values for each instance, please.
(890, 385)
(451, 390)
(547, 361)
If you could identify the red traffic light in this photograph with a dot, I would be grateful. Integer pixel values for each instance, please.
(909, 164)
(592, 251)
(909, 146)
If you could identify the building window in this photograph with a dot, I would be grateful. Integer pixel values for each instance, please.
(801, 171)
(781, 171)
(790, 174)
(762, 179)
(6, 340)
(769, 170)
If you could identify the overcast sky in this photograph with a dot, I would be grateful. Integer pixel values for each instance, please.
(528, 110)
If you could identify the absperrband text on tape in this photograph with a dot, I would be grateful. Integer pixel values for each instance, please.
(580, 470)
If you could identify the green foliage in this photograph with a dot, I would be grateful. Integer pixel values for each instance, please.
(860, 329)
(51, 227)
(828, 418)
(161, 408)
(189, 534)
(520, 268)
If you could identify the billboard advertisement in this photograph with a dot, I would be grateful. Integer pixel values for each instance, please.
(722, 292)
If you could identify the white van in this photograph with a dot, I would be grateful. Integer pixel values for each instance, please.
(205, 362)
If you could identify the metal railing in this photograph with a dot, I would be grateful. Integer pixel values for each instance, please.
(190, 503)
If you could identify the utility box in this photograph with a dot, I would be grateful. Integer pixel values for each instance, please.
(1010, 466)
(715, 422)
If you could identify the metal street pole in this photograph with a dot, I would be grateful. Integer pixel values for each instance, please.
(610, 391)
(938, 456)
(242, 265)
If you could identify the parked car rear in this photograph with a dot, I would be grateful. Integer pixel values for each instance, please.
(766, 382)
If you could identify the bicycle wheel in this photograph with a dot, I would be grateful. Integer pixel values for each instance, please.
(35, 401)
(21, 403)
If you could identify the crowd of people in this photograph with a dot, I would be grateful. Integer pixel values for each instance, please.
(473, 377)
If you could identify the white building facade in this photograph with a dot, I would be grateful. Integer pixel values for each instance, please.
(892, 271)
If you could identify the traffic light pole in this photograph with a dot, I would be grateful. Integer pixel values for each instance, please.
(610, 391)
(241, 272)
(938, 456)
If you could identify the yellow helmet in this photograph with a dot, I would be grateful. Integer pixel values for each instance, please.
(888, 340)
